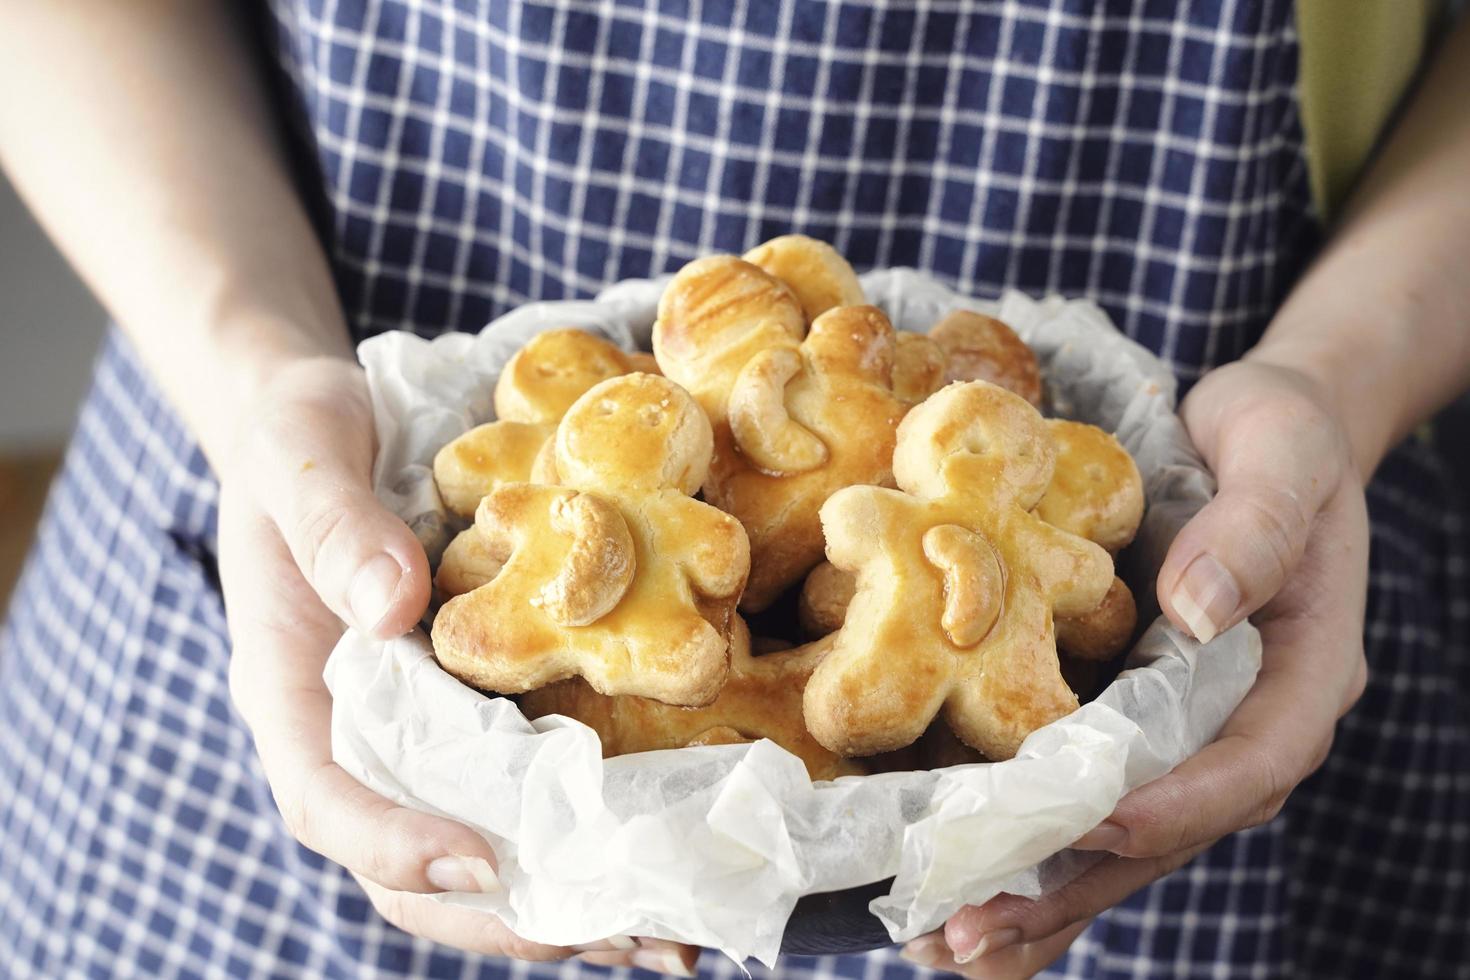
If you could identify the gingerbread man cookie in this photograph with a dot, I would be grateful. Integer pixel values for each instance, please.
(957, 584)
(535, 390)
(794, 420)
(981, 348)
(1095, 493)
(760, 699)
(616, 576)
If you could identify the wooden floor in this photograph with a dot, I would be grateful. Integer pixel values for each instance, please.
(23, 483)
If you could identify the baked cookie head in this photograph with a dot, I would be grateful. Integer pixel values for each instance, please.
(981, 348)
(856, 341)
(715, 314)
(554, 369)
(957, 585)
(637, 432)
(973, 435)
(1096, 492)
(816, 272)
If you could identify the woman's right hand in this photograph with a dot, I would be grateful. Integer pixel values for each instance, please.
(304, 548)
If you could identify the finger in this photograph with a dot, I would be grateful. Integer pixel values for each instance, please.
(1277, 460)
(1312, 671)
(656, 955)
(984, 932)
(281, 641)
(461, 928)
(312, 471)
(1018, 961)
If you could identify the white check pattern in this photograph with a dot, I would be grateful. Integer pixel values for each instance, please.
(472, 156)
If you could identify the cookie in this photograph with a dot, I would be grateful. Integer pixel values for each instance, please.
(981, 348)
(957, 585)
(760, 699)
(617, 575)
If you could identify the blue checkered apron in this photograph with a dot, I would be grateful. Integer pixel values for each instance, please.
(473, 156)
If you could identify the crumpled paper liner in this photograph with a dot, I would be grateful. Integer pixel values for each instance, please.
(714, 845)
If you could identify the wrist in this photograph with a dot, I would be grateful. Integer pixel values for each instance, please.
(228, 379)
(1357, 386)
(280, 391)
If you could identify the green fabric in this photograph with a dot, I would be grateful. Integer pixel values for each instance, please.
(1358, 58)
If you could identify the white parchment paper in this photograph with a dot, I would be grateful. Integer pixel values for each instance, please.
(714, 845)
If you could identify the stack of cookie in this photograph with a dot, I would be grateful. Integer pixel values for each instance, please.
(928, 559)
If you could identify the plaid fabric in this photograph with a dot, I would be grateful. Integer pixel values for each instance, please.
(475, 156)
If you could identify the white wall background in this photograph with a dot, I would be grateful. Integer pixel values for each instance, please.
(49, 331)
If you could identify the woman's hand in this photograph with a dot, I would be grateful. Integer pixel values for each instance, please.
(1285, 539)
(304, 548)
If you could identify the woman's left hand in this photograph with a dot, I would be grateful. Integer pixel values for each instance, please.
(1285, 541)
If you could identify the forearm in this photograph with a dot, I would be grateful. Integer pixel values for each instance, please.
(1382, 320)
(139, 134)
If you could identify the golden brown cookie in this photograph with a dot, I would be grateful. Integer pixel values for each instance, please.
(470, 561)
(957, 584)
(1101, 633)
(919, 367)
(616, 576)
(537, 386)
(818, 275)
(1097, 492)
(825, 594)
(761, 699)
(981, 348)
(794, 420)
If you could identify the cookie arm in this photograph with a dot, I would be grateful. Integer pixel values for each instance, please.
(1073, 572)
(710, 546)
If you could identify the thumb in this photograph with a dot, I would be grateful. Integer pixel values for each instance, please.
(1277, 459)
(313, 478)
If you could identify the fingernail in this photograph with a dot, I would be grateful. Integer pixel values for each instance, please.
(664, 961)
(372, 591)
(1106, 836)
(608, 945)
(991, 942)
(1206, 597)
(925, 951)
(458, 873)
